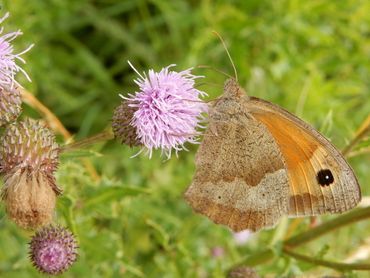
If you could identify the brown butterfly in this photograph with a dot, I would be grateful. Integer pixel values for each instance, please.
(258, 162)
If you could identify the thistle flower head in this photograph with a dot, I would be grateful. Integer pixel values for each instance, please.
(10, 105)
(168, 110)
(8, 59)
(53, 250)
(121, 125)
(28, 160)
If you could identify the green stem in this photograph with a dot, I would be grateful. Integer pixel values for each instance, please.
(343, 220)
(100, 137)
(330, 264)
(295, 241)
(256, 259)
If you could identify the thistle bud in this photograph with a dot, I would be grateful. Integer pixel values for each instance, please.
(53, 250)
(121, 125)
(28, 160)
(10, 105)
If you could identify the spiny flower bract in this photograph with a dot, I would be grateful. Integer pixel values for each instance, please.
(8, 59)
(121, 125)
(29, 145)
(53, 250)
(168, 110)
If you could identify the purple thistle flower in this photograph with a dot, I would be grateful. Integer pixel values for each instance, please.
(53, 250)
(8, 65)
(168, 110)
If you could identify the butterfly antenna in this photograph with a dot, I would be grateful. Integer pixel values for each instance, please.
(228, 54)
(212, 68)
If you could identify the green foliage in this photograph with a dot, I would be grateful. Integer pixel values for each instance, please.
(311, 57)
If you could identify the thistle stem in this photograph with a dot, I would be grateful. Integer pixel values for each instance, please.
(330, 264)
(53, 120)
(100, 137)
(343, 220)
(313, 233)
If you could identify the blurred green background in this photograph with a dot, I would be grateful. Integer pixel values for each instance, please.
(311, 57)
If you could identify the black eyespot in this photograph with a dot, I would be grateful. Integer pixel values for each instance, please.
(325, 177)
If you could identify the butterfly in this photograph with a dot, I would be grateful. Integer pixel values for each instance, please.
(258, 162)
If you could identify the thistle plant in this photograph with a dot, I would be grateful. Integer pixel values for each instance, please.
(28, 152)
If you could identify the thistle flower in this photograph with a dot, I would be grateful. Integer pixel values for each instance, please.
(28, 160)
(53, 250)
(8, 65)
(168, 110)
(121, 125)
(10, 105)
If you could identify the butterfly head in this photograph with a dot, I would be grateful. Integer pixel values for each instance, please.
(232, 89)
(231, 101)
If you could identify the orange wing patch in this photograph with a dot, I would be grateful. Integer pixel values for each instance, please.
(298, 149)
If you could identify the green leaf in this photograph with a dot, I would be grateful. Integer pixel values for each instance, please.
(161, 234)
